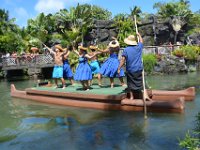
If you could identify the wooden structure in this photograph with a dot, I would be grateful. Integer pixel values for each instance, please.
(25, 62)
(106, 98)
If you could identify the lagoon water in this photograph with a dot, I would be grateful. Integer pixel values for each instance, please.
(27, 125)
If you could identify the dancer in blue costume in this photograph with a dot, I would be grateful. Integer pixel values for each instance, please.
(67, 72)
(94, 64)
(83, 71)
(110, 66)
(58, 64)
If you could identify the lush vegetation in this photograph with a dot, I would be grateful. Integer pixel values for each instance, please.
(69, 26)
(65, 26)
(192, 138)
(188, 52)
(149, 61)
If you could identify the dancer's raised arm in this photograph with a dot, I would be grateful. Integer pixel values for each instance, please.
(66, 54)
(104, 51)
(49, 49)
(91, 56)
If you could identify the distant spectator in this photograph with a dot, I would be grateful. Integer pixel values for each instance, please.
(7, 54)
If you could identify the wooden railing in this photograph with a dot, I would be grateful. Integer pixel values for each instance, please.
(20, 62)
(46, 60)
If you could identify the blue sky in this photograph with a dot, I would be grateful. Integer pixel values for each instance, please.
(25, 9)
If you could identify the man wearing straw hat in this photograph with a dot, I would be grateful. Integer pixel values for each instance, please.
(132, 55)
(58, 64)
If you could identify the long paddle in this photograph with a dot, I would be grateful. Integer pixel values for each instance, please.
(143, 80)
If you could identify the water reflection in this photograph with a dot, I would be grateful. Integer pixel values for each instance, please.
(32, 125)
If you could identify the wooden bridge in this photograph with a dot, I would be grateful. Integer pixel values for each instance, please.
(26, 62)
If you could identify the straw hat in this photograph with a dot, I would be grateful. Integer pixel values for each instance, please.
(59, 47)
(93, 47)
(34, 49)
(82, 48)
(130, 40)
(114, 44)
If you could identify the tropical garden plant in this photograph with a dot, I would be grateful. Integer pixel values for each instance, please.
(179, 13)
(70, 26)
(191, 140)
(149, 61)
(188, 52)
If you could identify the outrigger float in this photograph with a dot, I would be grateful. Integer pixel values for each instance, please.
(107, 98)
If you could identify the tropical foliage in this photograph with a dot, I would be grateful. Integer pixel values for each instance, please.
(149, 61)
(125, 28)
(179, 12)
(9, 37)
(188, 52)
(70, 26)
(178, 8)
(192, 138)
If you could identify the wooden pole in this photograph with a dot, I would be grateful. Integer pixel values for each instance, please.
(143, 80)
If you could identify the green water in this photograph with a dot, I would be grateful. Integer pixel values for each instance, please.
(27, 125)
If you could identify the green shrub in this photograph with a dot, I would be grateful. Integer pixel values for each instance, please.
(149, 61)
(188, 52)
(192, 139)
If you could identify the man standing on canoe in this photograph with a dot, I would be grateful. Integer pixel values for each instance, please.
(58, 64)
(132, 55)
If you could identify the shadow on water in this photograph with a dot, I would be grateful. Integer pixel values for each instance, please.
(31, 125)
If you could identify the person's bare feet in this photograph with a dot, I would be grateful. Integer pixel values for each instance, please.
(100, 85)
(131, 96)
(124, 85)
(112, 86)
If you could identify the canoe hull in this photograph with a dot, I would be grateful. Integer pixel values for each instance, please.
(173, 106)
(188, 94)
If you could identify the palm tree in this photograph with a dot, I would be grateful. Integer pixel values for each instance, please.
(6, 24)
(124, 25)
(9, 33)
(38, 29)
(177, 24)
(178, 11)
(100, 13)
(136, 11)
(78, 20)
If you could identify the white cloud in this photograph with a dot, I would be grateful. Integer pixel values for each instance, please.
(21, 16)
(21, 12)
(80, 1)
(49, 6)
(52, 6)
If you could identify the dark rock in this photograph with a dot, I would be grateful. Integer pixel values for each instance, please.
(103, 24)
(154, 31)
(171, 64)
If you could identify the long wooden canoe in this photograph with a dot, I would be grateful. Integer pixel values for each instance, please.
(98, 101)
(188, 94)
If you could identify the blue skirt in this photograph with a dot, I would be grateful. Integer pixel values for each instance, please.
(110, 66)
(95, 67)
(57, 72)
(67, 72)
(83, 72)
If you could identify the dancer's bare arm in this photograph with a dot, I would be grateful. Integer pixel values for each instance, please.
(49, 49)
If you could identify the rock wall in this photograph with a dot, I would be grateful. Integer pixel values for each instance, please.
(154, 32)
(101, 32)
(171, 64)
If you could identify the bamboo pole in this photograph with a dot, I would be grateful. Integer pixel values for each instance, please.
(143, 80)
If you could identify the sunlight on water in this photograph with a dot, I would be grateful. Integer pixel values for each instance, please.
(34, 126)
